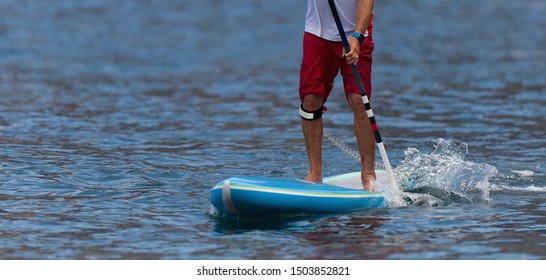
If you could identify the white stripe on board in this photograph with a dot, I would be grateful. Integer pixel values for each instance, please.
(226, 198)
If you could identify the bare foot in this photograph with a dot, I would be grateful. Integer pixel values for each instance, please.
(368, 182)
(313, 178)
(369, 185)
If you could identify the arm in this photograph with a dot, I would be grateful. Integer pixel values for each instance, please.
(363, 17)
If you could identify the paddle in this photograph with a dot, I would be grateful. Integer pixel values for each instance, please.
(369, 111)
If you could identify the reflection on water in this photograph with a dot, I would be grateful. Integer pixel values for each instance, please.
(116, 118)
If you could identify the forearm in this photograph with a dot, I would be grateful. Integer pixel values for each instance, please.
(364, 15)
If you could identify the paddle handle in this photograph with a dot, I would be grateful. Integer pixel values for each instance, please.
(367, 105)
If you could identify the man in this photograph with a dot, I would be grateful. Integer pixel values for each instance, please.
(323, 57)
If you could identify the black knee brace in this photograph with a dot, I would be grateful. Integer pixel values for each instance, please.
(310, 116)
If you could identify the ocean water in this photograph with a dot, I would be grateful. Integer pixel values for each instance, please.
(117, 117)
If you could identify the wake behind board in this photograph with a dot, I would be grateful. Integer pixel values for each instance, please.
(261, 196)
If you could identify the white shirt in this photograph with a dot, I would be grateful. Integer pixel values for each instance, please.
(320, 21)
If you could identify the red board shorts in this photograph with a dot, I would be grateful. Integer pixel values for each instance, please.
(321, 62)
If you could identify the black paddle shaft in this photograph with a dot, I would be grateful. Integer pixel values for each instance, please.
(345, 42)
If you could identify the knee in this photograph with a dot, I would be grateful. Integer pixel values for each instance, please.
(356, 103)
(312, 102)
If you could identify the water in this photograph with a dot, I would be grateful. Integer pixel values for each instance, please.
(117, 117)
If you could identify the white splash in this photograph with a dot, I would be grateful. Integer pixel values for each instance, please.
(445, 169)
(523, 173)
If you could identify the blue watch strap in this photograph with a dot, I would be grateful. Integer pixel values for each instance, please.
(359, 36)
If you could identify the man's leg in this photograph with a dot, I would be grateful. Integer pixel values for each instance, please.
(318, 71)
(363, 130)
(312, 132)
(365, 140)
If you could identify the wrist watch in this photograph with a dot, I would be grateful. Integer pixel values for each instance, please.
(359, 36)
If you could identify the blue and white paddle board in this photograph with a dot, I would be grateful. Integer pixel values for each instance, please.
(262, 196)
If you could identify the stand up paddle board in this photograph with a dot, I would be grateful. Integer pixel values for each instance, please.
(261, 196)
